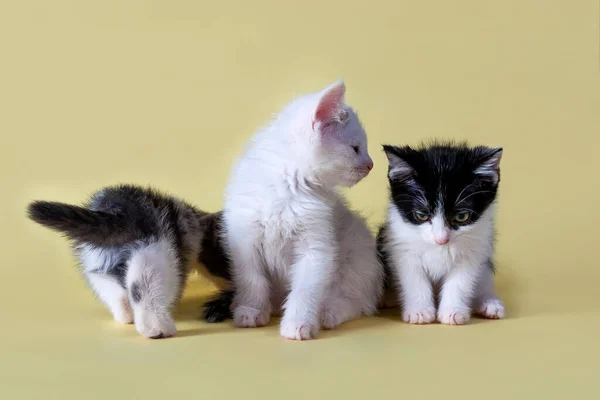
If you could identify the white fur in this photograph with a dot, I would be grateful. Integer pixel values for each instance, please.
(460, 265)
(95, 261)
(293, 242)
(153, 267)
(113, 295)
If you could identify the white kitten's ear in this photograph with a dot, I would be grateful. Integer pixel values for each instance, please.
(489, 168)
(331, 103)
(399, 169)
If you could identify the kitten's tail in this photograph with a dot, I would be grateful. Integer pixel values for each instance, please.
(218, 308)
(79, 223)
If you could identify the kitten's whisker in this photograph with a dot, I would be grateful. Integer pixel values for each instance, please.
(462, 191)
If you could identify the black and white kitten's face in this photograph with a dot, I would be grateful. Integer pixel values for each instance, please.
(443, 190)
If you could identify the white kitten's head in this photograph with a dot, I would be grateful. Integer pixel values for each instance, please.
(335, 148)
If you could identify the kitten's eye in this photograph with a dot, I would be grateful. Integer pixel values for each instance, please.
(462, 216)
(356, 149)
(421, 216)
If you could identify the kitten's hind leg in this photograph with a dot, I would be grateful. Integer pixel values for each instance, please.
(154, 283)
(357, 292)
(487, 304)
(337, 310)
(113, 295)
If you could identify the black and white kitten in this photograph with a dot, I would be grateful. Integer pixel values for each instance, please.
(438, 240)
(136, 247)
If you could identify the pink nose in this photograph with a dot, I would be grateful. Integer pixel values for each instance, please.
(369, 166)
(443, 240)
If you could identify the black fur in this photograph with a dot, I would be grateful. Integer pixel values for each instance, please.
(434, 173)
(218, 308)
(382, 254)
(113, 227)
(136, 292)
(119, 219)
(443, 175)
(212, 253)
(214, 256)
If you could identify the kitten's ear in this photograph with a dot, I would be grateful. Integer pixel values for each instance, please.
(489, 166)
(399, 169)
(331, 103)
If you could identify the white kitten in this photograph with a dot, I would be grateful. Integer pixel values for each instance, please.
(440, 231)
(294, 244)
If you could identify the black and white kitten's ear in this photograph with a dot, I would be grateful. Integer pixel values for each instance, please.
(489, 166)
(399, 169)
(331, 104)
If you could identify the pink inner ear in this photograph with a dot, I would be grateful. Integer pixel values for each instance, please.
(331, 103)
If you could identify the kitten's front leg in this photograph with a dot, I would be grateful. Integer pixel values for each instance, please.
(457, 294)
(311, 275)
(416, 292)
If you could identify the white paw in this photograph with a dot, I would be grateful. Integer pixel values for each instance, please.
(248, 317)
(491, 308)
(454, 316)
(298, 331)
(153, 326)
(422, 316)
(124, 313)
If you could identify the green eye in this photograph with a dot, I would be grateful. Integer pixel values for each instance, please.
(462, 216)
(421, 216)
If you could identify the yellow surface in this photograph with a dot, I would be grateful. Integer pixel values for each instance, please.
(166, 92)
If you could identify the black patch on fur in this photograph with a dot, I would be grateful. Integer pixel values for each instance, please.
(212, 253)
(218, 308)
(114, 216)
(119, 271)
(382, 254)
(443, 172)
(491, 265)
(136, 292)
(118, 220)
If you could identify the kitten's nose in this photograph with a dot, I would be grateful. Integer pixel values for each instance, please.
(442, 240)
(370, 166)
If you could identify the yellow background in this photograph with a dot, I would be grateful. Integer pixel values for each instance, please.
(166, 92)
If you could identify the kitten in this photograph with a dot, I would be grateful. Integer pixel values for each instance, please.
(293, 243)
(136, 248)
(439, 232)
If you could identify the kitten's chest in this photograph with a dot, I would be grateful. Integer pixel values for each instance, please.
(280, 232)
(437, 261)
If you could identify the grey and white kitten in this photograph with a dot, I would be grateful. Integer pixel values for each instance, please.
(438, 241)
(136, 247)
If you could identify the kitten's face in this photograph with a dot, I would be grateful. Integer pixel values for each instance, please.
(443, 190)
(340, 155)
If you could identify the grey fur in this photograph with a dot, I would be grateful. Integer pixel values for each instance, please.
(120, 222)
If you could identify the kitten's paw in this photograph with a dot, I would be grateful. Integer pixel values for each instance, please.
(297, 331)
(123, 314)
(152, 326)
(454, 316)
(491, 308)
(248, 317)
(422, 316)
(123, 318)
